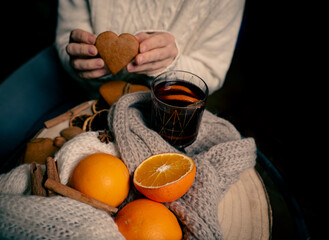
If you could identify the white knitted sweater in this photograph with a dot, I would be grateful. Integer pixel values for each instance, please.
(205, 31)
(219, 153)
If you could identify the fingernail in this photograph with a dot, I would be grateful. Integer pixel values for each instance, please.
(91, 39)
(142, 49)
(138, 38)
(99, 63)
(102, 71)
(92, 51)
(130, 67)
(140, 60)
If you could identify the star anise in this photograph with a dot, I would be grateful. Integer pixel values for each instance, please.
(105, 136)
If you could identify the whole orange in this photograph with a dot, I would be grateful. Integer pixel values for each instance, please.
(103, 177)
(145, 219)
(165, 177)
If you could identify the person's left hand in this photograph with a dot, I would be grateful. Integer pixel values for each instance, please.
(156, 52)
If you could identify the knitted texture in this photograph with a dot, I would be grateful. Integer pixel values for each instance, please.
(219, 153)
(205, 31)
(34, 217)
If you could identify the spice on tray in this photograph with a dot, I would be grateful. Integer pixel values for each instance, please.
(37, 180)
(65, 116)
(105, 136)
(52, 172)
(76, 195)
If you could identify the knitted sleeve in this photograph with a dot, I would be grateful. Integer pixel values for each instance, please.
(71, 15)
(205, 31)
(210, 53)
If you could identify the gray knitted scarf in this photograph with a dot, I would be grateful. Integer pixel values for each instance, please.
(219, 152)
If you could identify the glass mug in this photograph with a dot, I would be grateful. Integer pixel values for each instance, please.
(178, 101)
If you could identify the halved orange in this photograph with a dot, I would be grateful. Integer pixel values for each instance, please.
(85, 126)
(180, 97)
(78, 120)
(178, 88)
(99, 104)
(98, 121)
(165, 177)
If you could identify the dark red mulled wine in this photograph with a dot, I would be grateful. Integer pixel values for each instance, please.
(178, 106)
(179, 93)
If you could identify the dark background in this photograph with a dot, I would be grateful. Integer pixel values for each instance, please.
(271, 93)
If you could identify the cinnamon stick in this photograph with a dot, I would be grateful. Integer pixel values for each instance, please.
(65, 116)
(37, 180)
(52, 172)
(76, 195)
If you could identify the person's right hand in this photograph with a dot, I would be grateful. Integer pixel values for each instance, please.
(84, 57)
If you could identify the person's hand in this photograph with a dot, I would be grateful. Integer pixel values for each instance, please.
(83, 55)
(157, 52)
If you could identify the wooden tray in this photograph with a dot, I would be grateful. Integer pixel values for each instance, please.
(243, 213)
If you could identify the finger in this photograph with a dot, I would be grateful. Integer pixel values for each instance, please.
(155, 55)
(148, 68)
(93, 73)
(142, 36)
(81, 64)
(81, 50)
(81, 36)
(157, 40)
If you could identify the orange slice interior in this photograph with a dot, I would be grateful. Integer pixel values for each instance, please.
(183, 98)
(178, 88)
(165, 177)
(78, 120)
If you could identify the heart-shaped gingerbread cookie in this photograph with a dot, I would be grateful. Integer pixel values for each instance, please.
(116, 51)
